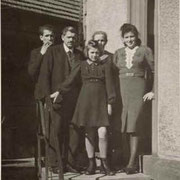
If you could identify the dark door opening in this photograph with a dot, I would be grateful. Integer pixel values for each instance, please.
(19, 37)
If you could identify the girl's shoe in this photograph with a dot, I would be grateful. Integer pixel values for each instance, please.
(132, 170)
(92, 167)
(104, 168)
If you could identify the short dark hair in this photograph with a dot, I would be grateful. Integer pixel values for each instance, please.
(100, 32)
(91, 44)
(45, 27)
(70, 29)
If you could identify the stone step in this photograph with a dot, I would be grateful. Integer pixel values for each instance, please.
(118, 176)
(27, 173)
(25, 162)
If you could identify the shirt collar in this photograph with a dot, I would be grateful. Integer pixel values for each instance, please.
(66, 48)
(132, 50)
(91, 62)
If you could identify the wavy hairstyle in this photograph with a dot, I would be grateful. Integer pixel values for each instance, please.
(125, 28)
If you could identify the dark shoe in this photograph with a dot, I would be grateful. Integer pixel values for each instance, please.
(80, 168)
(92, 167)
(132, 170)
(104, 168)
(122, 170)
(54, 170)
(70, 168)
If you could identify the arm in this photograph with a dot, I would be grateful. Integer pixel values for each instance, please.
(69, 81)
(109, 80)
(45, 74)
(36, 59)
(35, 64)
(150, 65)
(115, 59)
(67, 84)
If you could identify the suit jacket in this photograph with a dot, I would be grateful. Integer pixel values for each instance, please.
(56, 68)
(34, 65)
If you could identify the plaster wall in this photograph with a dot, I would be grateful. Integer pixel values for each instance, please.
(168, 74)
(107, 16)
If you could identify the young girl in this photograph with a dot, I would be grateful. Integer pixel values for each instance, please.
(94, 105)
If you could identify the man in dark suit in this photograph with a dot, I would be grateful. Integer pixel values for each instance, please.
(46, 35)
(58, 63)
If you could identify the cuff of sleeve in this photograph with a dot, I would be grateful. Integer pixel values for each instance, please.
(111, 100)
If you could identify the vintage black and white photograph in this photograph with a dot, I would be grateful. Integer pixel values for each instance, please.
(90, 90)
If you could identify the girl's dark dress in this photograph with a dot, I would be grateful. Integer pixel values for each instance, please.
(96, 93)
(133, 83)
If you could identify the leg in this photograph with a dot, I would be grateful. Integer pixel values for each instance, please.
(134, 139)
(102, 134)
(90, 145)
(73, 143)
(53, 127)
(132, 166)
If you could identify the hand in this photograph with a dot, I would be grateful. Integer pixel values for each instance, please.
(109, 109)
(54, 96)
(148, 96)
(45, 47)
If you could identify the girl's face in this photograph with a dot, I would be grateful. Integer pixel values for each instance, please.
(93, 54)
(129, 40)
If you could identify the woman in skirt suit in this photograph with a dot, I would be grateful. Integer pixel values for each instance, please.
(132, 61)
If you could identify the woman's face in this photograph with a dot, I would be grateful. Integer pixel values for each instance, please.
(101, 41)
(93, 54)
(129, 40)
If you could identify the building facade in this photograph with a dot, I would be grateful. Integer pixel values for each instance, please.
(20, 21)
(158, 24)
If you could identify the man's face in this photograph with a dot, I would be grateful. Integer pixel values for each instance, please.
(47, 37)
(69, 39)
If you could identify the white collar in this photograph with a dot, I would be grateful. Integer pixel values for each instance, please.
(90, 62)
(132, 50)
(103, 57)
(66, 48)
(129, 56)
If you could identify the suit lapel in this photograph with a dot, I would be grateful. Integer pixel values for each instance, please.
(63, 60)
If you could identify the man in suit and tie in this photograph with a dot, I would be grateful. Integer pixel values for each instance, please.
(58, 63)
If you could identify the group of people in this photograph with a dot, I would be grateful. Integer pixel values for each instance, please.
(78, 92)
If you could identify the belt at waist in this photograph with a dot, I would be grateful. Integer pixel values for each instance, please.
(131, 75)
(93, 81)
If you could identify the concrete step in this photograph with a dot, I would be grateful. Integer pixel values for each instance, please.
(117, 176)
(28, 173)
(24, 169)
(25, 162)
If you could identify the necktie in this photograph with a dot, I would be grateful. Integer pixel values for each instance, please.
(70, 57)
